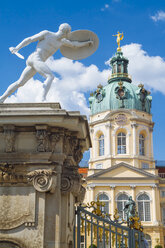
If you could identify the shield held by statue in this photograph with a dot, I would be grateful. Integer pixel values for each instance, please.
(80, 52)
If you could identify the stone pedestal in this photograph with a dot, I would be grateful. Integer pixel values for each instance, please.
(40, 148)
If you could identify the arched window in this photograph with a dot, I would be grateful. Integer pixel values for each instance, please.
(144, 207)
(121, 143)
(121, 201)
(148, 238)
(114, 68)
(141, 144)
(101, 145)
(104, 199)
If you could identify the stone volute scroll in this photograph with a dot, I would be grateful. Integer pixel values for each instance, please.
(43, 180)
(73, 183)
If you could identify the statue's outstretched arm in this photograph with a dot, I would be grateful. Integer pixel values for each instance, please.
(69, 43)
(29, 40)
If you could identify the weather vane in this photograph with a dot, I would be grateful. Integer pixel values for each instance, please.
(120, 36)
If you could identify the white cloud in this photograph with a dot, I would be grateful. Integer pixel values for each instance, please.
(159, 16)
(74, 79)
(106, 6)
(149, 70)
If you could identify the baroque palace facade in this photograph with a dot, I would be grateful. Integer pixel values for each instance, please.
(121, 158)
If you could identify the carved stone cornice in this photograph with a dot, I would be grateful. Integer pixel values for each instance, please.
(43, 180)
(9, 136)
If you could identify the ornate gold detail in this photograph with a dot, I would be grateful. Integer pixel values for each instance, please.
(140, 85)
(100, 86)
(136, 223)
(120, 84)
(120, 36)
(116, 215)
(96, 205)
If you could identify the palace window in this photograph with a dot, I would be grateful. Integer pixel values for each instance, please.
(148, 238)
(141, 144)
(163, 216)
(101, 145)
(144, 207)
(119, 68)
(114, 68)
(162, 193)
(145, 166)
(121, 201)
(121, 143)
(99, 166)
(104, 199)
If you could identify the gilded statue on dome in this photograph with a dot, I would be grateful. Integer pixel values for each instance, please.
(120, 36)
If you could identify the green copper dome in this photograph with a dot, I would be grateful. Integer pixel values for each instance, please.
(120, 92)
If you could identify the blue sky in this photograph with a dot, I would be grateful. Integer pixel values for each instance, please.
(143, 24)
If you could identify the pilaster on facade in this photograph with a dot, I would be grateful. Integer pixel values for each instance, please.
(108, 126)
(112, 210)
(154, 204)
(151, 141)
(134, 127)
(92, 193)
(133, 187)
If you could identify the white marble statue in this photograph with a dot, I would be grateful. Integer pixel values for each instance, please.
(48, 44)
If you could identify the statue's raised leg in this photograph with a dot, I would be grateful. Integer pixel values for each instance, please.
(44, 70)
(27, 74)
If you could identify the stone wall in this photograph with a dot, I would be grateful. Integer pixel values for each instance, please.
(41, 146)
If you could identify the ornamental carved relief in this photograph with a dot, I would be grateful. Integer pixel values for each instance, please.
(78, 154)
(17, 206)
(66, 145)
(121, 93)
(8, 174)
(42, 140)
(43, 180)
(73, 147)
(9, 136)
(55, 138)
